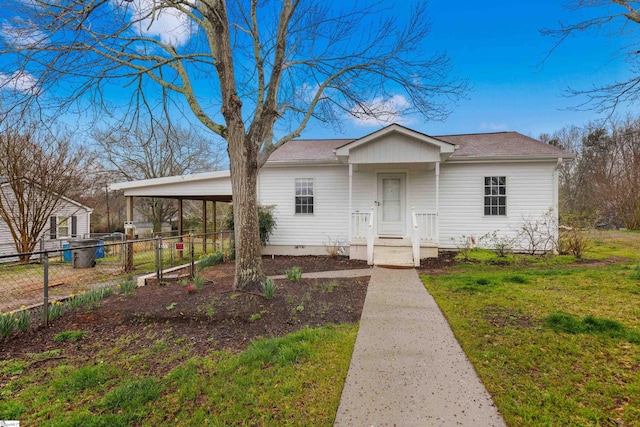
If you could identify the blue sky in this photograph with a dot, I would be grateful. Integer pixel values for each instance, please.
(498, 48)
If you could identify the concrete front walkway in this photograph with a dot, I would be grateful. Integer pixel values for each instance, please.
(407, 368)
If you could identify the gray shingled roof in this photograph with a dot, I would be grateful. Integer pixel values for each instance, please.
(308, 150)
(500, 144)
(470, 146)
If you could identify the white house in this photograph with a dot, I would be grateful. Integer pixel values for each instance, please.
(393, 196)
(70, 219)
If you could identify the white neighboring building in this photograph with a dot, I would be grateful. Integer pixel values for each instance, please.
(71, 219)
(393, 196)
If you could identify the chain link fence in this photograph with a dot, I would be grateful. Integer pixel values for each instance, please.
(28, 280)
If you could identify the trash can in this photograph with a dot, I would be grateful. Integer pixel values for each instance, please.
(83, 257)
(66, 255)
(100, 249)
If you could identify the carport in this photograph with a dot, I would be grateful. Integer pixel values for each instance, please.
(209, 187)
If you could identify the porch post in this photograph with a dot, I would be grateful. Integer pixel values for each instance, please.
(204, 226)
(437, 233)
(350, 202)
(215, 223)
(180, 227)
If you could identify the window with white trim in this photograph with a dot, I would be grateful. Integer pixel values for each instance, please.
(63, 226)
(495, 195)
(304, 196)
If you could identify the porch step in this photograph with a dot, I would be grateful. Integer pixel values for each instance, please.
(396, 256)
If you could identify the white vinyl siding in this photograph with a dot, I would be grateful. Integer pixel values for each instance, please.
(394, 148)
(331, 196)
(67, 210)
(530, 194)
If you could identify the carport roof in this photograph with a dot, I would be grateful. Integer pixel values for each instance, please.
(215, 186)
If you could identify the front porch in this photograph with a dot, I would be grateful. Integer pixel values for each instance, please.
(401, 251)
(394, 195)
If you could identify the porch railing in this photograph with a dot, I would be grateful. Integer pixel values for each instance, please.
(415, 241)
(427, 226)
(370, 235)
(359, 224)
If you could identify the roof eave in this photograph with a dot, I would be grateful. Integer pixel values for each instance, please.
(549, 157)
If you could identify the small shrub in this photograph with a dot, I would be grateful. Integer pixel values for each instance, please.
(538, 235)
(266, 222)
(334, 248)
(294, 273)
(171, 306)
(299, 308)
(23, 320)
(572, 242)
(7, 324)
(268, 288)
(127, 287)
(465, 245)
(500, 244)
(70, 336)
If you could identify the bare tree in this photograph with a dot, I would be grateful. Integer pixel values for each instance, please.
(611, 18)
(239, 67)
(155, 150)
(602, 185)
(37, 169)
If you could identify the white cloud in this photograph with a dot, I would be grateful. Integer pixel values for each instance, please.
(18, 81)
(382, 111)
(494, 126)
(25, 35)
(170, 25)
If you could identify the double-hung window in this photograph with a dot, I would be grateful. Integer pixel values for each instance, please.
(304, 196)
(495, 195)
(63, 226)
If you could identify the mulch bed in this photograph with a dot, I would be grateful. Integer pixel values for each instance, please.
(213, 318)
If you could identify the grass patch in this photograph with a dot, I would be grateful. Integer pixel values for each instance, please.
(541, 366)
(562, 322)
(70, 336)
(292, 380)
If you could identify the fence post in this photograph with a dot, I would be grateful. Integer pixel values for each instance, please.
(158, 259)
(45, 307)
(193, 254)
(128, 259)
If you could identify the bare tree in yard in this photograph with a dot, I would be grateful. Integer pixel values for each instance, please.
(37, 168)
(254, 73)
(617, 18)
(155, 150)
(603, 183)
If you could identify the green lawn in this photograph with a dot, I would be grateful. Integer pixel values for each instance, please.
(295, 380)
(555, 342)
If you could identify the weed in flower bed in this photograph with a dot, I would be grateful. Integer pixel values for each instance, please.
(294, 273)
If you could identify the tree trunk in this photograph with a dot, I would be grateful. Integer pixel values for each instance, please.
(243, 161)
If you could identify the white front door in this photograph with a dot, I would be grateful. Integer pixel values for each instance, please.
(391, 204)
